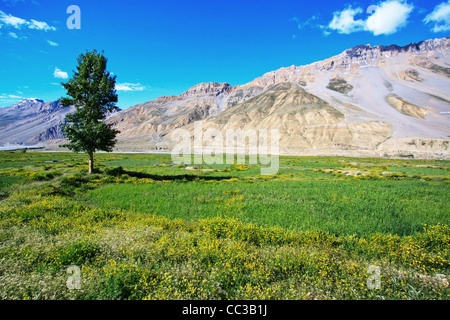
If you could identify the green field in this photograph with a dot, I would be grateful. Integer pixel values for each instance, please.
(144, 228)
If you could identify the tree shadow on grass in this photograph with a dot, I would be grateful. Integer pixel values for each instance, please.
(180, 178)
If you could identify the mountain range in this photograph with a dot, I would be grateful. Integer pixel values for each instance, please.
(31, 122)
(377, 101)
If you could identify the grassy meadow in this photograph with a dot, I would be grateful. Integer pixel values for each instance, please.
(143, 228)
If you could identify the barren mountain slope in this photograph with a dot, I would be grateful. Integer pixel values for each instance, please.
(303, 120)
(31, 122)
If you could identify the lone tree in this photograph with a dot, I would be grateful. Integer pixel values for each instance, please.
(92, 91)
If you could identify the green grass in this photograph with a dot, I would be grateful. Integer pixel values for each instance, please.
(6, 181)
(144, 228)
(430, 171)
(339, 207)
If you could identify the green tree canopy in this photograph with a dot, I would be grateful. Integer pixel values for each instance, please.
(92, 91)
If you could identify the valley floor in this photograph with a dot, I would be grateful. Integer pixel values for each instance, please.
(143, 228)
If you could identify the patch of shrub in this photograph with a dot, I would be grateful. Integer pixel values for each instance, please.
(77, 253)
(44, 176)
(239, 167)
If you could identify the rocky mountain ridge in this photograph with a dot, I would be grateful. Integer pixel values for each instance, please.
(31, 121)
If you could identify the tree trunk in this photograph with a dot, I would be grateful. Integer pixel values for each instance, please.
(91, 162)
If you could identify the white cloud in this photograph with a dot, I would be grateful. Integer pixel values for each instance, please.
(8, 20)
(344, 21)
(440, 17)
(40, 25)
(15, 36)
(389, 17)
(5, 96)
(311, 23)
(53, 44)
(307, 23)
(129, 87)
(385, 18)
(60, 74)
(13, 96)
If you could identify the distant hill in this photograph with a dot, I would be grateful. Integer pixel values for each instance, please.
(31, 122)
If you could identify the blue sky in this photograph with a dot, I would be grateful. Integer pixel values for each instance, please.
(163, 47)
